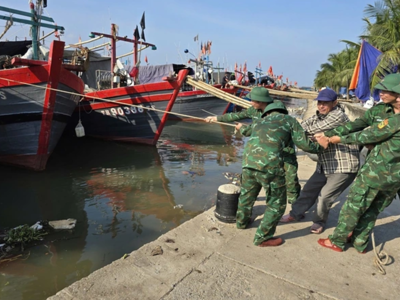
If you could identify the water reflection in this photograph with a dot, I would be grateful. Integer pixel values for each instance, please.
(123, 196)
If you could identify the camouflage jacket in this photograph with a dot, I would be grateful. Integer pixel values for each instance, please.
(254, 114)
(269, 136)
(382, 167)
(372, 116)
(249, 113)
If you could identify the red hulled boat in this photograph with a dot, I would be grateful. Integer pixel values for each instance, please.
(120, 111)
(36, 99)
(34, 108)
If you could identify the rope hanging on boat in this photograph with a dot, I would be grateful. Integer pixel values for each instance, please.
(116, 102)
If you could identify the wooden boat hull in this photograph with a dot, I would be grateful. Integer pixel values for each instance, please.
(109, 114)
(199, 104)
(34, 111)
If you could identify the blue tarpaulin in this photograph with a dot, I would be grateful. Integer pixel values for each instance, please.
(368, 60)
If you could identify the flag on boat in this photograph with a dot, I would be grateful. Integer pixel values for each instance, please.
(145, 59)
(196, 38)
(259, 64)
(270, 72)
(143, 26)
(142, 36)
(245, 67)
(136, 34)
(143, 22)
(367, 61)
(209, 43)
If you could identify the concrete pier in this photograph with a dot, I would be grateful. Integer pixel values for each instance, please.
(207, 259)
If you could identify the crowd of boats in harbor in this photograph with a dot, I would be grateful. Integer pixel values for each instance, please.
(45, 93)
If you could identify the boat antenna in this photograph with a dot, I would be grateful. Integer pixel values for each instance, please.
(177, 49)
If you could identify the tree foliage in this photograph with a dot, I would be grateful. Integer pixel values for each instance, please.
(382, 20)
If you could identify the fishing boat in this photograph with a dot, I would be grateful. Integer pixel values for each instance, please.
(121, 108)
(198, 104)
(37, 99)
(116, 108)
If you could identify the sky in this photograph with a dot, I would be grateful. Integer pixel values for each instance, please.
(294, 37)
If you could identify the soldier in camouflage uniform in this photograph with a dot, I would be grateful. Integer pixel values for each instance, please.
(289, 154)
(374, 187)
(263, 165)
(389, 106)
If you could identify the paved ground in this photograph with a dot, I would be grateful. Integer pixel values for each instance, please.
(207, 259)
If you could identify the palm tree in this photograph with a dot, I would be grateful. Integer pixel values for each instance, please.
(384, 34)
(337, 72)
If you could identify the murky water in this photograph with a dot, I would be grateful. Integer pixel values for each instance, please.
(123, 196)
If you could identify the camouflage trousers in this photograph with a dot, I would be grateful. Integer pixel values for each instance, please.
(293, 186)
(275, 197)
(359, 213)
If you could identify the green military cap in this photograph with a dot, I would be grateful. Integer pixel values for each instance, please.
(260, 94)
(276, 106)
(388, 83)
(396, 89)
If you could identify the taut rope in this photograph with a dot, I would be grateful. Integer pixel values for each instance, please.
(116, 102)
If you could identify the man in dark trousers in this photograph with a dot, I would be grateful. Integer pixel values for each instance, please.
(336, 168)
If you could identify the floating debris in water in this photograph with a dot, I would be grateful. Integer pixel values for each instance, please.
(191, 173)
(63, 224)
(178, 206)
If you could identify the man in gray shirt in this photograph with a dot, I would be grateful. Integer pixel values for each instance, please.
(336, 168)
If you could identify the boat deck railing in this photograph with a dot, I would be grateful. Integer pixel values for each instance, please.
(103, 79)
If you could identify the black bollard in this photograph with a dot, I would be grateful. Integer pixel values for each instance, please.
(227, 203)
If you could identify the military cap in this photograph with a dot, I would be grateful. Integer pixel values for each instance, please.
(276, 106)
(260, 94)
(388, 83)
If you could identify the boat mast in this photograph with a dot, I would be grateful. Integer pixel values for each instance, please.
(34, 31)
(34, 22)
(114, 38)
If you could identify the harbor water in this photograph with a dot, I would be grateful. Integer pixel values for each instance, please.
(123, 196)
